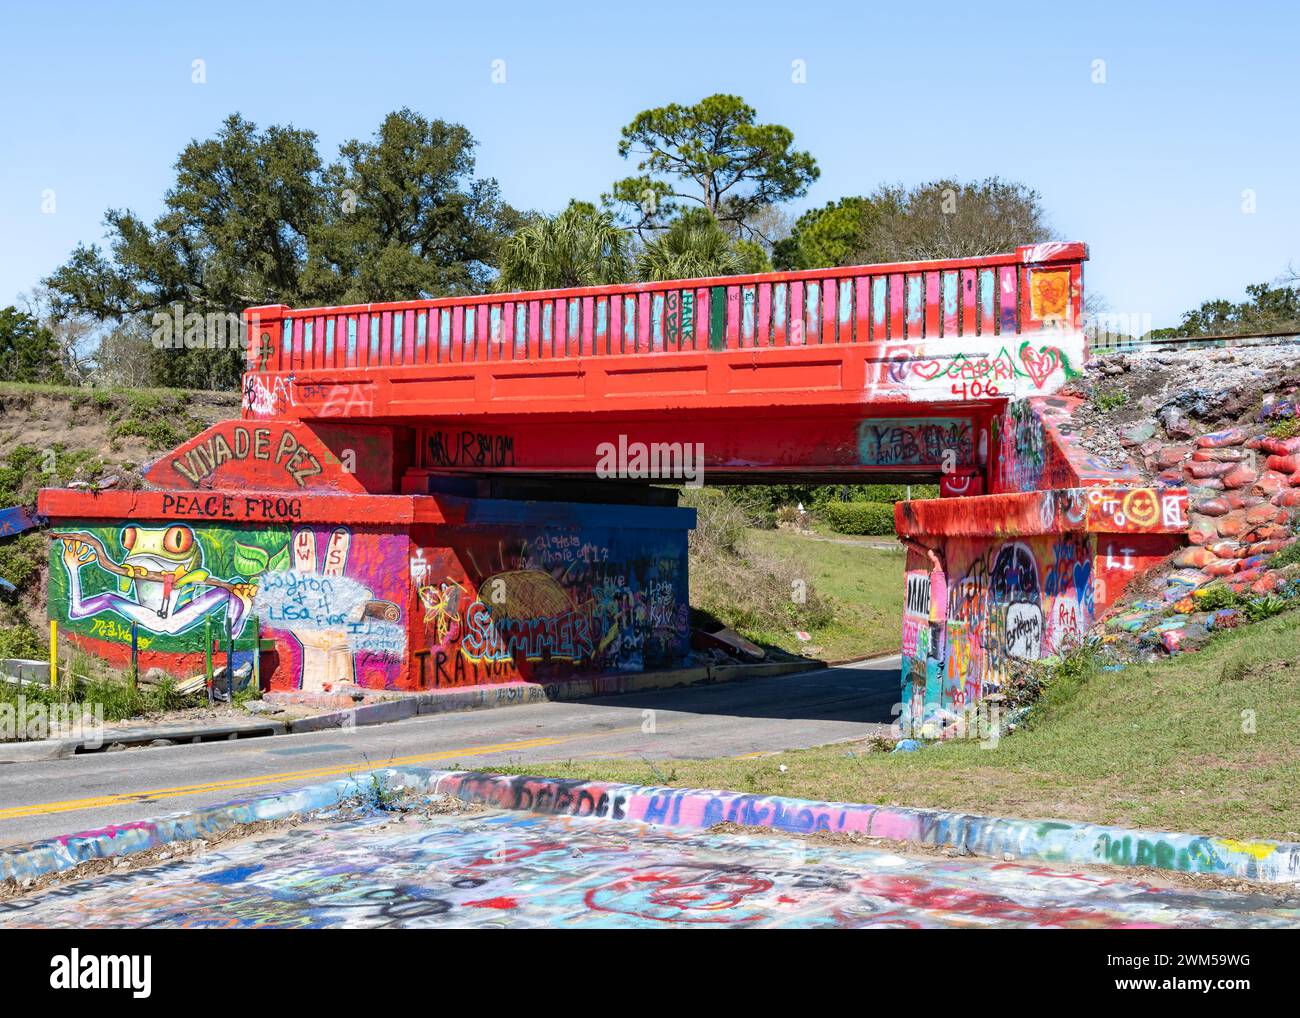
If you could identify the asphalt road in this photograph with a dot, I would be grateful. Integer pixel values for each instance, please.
(498, 869)
(46, 799)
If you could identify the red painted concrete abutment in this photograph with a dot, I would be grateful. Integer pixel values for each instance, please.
(382, 591)
(998, 578)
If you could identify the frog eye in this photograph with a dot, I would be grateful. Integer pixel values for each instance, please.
(178, 540)
(128, 538)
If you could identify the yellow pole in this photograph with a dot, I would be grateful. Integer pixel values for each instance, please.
(54, 654)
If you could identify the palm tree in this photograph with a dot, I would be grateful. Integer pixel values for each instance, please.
(582, 246)
(694, 245)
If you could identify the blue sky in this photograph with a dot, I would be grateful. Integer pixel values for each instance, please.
(1198, 105)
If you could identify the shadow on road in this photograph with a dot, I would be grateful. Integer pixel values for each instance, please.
(862, 693)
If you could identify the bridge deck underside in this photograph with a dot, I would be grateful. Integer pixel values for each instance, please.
(904, 443)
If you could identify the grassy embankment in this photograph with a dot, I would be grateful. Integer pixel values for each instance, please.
(51, 436)
(770, 584)
(1206, 742)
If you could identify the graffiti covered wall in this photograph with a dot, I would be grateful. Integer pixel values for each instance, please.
(499, 605)
(332, 598)
(1025, 599)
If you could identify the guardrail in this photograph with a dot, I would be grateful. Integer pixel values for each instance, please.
(1035, 287)
(1155, 345)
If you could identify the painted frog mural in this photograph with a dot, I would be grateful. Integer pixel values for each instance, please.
(161, 582)
(312, 589)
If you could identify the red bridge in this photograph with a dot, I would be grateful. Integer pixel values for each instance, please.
(831, 373)
(420, 495)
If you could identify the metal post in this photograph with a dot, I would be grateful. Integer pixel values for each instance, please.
(135, 654)
(230, 661)
(257, 655)
(54, 654)
(207, 656)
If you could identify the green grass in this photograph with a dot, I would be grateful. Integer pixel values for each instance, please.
(862, 585)
(1166, 745)
(1109, 397)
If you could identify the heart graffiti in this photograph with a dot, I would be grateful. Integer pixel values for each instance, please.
(1039, 364)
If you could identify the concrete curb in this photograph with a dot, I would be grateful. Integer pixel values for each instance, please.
(38, 749)
(70, 850)
(57, 749)
(1049, 841)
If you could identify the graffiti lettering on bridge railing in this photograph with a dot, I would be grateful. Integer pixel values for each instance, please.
(679, 316)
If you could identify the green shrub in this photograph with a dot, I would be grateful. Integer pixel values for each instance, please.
(859, 517)
(1108, 397)
(18, 637)
(1286, 557)
(1217, 597)
(1265, 607)
(1285, 429)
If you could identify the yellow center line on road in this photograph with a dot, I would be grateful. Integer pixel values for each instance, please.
(124, 798)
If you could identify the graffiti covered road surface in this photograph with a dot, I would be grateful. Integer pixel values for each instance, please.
(501, 869)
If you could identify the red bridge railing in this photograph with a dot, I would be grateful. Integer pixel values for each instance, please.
(1022, 292)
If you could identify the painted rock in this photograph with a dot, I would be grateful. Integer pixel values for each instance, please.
(1186, 606)
(1217, 506)
(1270, 483)
(1224, 567)
(1195, 558)
(1267, 584)
(1220, 455)
(1264, 513)
(1218, 439)
(1240, 500)
(1225, 549)
(1172, 456)
(1201, 529)
(1135, 434)
(1283, 464)
(1240, 476)
(1233, 524)
(1172, 640)
(1279, 446)
(1176, 423)
(1267, 547)
(1201, 471)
